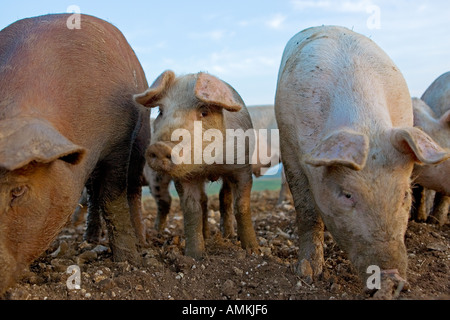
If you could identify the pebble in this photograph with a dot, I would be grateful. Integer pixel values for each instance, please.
(437, 246)
(152, 262)
(86, 256)
(61, 251)
(60, 265)
(179, 276)
(265, 251)
(229, 288)
(238, 271)
(100, 249)
(107, 284)
(139, 287)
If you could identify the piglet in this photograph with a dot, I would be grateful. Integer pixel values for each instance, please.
(189, 142)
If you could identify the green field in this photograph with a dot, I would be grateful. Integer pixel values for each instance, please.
(259, 184)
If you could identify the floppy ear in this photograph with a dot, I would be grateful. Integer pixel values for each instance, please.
(211, 90)
(23, 140)
(416, 142)
(344, 147)
(156, 90)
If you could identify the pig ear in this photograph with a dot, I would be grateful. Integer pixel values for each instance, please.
(416, 142)
(445, 119)
(345, 147)
(24, 140)
(156, 90)
(211, 90)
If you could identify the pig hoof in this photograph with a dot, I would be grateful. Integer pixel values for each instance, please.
(253, 250)
(195, 254)
(305, 271)
(92, 238)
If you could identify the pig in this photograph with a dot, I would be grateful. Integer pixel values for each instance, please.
(432, 115)
(159, 183)
(348, 147)
(184, 102)
(263, 117)
(68, 120)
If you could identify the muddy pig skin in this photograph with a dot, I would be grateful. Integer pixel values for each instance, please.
(204, 99)
(432, 115)
(68, 119)
(348, 146)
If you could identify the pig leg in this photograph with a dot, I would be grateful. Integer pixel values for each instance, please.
(285, 194)
(310, 225)
(226, 210)
(440, 209)
(190, 193)
(134, 194)
(242, 186)
(159, 187)
(93, 220)
(418, 208)
(110, 196)
(204, 205)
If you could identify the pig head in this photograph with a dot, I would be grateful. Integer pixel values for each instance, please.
(36, 162)
(181, 102)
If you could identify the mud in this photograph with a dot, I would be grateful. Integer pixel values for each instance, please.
(227, 272)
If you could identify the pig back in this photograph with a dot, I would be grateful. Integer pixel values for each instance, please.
(437, 95)
(331, 77)
(80, 80)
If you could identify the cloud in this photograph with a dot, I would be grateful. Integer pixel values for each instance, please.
(343, 6)
(276, 21)
(214, 35)
(303, 5)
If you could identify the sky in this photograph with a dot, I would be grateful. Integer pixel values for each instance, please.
(242, 41)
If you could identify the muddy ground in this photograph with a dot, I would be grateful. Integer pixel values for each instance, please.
(227, 272)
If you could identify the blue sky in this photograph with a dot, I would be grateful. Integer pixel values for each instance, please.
(242, 41)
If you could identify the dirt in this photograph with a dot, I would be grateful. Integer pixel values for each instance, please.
(227, 271)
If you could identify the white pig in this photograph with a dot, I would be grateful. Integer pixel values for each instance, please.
(348, 146)
(432, 115)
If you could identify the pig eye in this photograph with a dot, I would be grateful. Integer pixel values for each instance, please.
(346, 194)
(204, 112)
(348, 198)
(17, 192)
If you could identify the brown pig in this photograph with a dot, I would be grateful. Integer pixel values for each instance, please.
(432, 115)
(67, 119)
(198, 108)
(348, 146)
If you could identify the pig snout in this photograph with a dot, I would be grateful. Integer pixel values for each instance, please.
(8, 270)
(160, 158)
